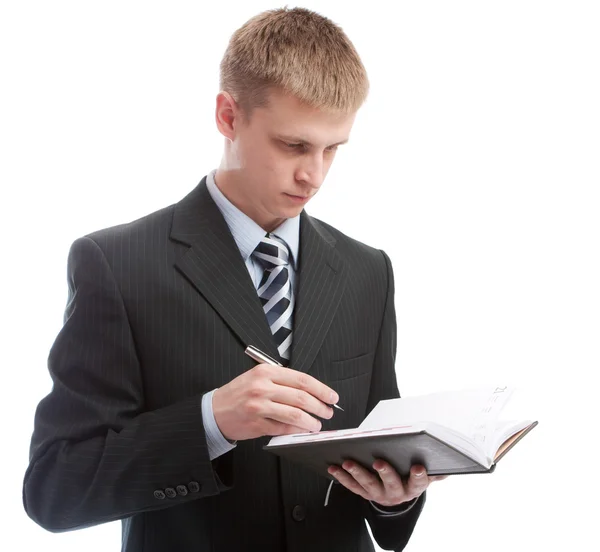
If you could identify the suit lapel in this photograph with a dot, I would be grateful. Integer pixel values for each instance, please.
(322, 280)
(214, 266)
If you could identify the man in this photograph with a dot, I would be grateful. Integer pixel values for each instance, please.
(156, 416)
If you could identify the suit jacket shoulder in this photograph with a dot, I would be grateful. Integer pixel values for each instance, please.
(369, 265)
(346, 245)
(156, 221)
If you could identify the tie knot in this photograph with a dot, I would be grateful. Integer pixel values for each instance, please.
(272, 251)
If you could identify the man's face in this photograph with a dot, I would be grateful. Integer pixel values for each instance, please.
(276, 163)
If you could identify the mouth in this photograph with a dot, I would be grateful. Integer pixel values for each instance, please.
(299, 199)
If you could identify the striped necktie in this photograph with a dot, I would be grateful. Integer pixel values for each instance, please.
(275, 290)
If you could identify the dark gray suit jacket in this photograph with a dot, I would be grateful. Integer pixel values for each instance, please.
(159, 312)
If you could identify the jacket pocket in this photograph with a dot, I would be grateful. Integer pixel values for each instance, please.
(350, 368)
(351, 379)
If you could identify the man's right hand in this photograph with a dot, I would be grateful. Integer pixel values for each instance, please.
(271, 400)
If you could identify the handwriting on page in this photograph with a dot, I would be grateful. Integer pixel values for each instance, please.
(488, 414)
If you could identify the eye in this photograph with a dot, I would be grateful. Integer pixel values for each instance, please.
(330, 149)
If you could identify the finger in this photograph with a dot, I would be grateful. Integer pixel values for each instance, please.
(392, 482)
(290, 430)
(348, 481)
(289, 415)
(301, 399)
(300, 380)
(417, 481)
(367, 480)
(273, 428)
(433, 478)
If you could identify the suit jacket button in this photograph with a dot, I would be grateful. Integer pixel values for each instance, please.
(193, 487)
(298, 513)
(170, 492)
(159, 494)
(182, 490)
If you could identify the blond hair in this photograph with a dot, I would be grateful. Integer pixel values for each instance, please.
(297, 51)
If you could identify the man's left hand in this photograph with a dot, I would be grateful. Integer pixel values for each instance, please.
(387, 487)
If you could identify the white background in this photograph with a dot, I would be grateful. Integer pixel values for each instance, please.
(474, 164)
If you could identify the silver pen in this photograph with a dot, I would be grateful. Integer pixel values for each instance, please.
(263, 358)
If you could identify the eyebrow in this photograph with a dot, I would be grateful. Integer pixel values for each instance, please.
(295, 140)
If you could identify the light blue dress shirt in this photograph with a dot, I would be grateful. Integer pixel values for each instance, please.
(247, 235)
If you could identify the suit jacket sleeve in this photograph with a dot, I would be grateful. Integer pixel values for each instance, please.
(391, 532)
(96, 455)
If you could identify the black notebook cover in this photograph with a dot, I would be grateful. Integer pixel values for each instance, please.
(400, 450)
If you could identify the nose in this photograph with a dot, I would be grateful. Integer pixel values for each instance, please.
(312, 171)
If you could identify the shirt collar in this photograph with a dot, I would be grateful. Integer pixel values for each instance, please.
(247, 233)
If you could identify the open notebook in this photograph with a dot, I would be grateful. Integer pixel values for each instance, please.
(448, 432)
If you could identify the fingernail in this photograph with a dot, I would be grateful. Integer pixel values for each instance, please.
(333, 399)
(419, 474)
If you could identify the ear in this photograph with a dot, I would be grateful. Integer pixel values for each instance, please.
(227, 114)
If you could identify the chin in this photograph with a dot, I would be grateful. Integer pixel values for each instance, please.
(291, 212)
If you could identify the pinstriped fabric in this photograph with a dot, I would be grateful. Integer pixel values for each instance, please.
(159, 313)
(320, 289)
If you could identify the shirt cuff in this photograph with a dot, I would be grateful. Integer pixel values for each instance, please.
(394, 510)
(216, 442)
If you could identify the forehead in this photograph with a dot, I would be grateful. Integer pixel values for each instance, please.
(288, 117)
